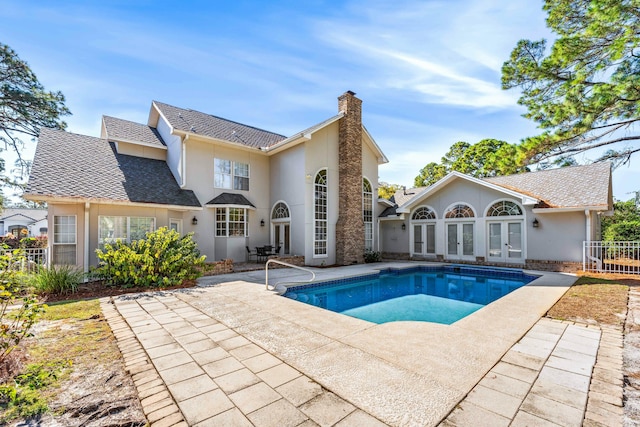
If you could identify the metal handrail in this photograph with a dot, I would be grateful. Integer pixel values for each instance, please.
(266, 274)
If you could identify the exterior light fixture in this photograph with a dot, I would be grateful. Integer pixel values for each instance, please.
(535, 223)
(262, 223)
(194, 221)
(404, 226)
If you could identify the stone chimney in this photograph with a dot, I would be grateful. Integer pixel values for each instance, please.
(350, 225)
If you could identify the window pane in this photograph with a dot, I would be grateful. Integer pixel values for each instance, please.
(221, 221)
(64, 255)
(431, 239)
(320, 213)
(222, 173)
(139, 227)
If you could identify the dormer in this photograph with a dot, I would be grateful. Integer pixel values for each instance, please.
(133, 139)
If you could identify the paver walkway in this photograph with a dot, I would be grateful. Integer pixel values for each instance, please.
(215, 376)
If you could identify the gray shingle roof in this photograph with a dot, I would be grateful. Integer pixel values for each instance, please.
(216, 127)
(84, 167)
(569, 187)
(118, 129)
(230, 199)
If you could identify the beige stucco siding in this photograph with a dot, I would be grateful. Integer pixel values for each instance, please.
(140, 150)
(322, 152)
(289, 184)
(558, 237)
(200, 157)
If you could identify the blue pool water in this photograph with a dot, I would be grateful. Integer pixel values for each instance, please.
(429, 294)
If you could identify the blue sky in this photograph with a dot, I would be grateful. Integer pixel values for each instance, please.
(428, 72)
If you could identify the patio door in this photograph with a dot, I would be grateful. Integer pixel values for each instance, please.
(282, 237)
(424, 239)
(460, 240)
(505, 241)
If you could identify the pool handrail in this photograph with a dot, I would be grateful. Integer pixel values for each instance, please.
(276, 261)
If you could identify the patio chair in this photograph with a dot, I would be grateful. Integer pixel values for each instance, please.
(277, 250)
(261, 254)
(251, 254)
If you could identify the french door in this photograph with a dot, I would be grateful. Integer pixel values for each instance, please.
(424, 239)
(282, 237)
(460, 240)
(505, 241)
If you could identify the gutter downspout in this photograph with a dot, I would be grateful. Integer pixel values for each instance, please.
(86, 237)
(183, 162)
(588, 215)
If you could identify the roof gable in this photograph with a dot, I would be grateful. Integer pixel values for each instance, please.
(68, 165)
(453, 176)
(127, 131)
(30, 214)
(192, 121)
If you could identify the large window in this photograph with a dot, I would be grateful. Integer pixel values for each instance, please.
(367, 214)
(231, 175)
(123, 228)
(320, 214)
(64, 240)
(231, 222)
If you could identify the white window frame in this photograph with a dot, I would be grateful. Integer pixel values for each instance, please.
(178, 225)
(56, 244)
(323, 222)
(127, 237)
(231, 180)
(367, 198)
(225, 223)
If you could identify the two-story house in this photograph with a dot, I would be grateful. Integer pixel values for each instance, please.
(234, 186)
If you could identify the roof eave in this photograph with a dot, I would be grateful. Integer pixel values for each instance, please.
(597, 208)
(224, 205)
(51, 198)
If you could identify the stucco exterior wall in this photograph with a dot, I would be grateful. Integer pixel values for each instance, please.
(174, 149)
(142, 151)
(322, 152)
(393, 238)
(289, 184)
(558, 237)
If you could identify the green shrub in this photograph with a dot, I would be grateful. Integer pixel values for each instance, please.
(162, 259)
(23, 398)
(372, 256)
(15, 323)
(59, 280)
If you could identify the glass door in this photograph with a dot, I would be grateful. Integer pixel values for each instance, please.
(282, 237)
(505, 241)
(460, 240)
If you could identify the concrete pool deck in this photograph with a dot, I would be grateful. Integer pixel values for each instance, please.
(232, 352)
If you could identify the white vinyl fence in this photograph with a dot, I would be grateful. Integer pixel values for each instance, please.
(26, 259)
(611, 257)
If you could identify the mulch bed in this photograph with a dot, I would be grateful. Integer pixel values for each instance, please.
(99, 289)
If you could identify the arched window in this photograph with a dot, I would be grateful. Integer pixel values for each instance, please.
(459, 211)
(367, 213)
(504, 208)
(320, 214)
(423, 213)
(280, 211)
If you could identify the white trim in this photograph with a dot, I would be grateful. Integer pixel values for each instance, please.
(382, 159)
(571, 209)
(75, 200)
(177, 221)
(86, 237)
(486, 211)
(448, 208)
(326, 221)
(249, 207)
(274, 206)
(386, 202)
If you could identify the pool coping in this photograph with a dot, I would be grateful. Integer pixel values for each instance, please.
(359, 360)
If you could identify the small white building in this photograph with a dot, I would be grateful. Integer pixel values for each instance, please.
(16, 220)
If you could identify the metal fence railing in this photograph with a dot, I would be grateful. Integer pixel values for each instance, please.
(611, 257)
(26, 259)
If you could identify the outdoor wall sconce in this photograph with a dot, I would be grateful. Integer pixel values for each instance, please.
(262, 223)
(536, 224)
(194, 221)
(404, 226)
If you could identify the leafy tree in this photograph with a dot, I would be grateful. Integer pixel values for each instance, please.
(489, 157)
(386, 190)
(25, 106)
(624, 225)
(584, 91)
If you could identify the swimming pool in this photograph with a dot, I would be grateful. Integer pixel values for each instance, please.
(443, 294)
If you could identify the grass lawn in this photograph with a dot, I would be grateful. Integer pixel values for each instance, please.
(602, 299)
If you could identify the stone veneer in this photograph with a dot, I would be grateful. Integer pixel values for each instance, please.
(350, 225)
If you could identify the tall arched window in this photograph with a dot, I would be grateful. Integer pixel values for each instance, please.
(459, 211)
(367, 214)
(504, 208)
(320, 214)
